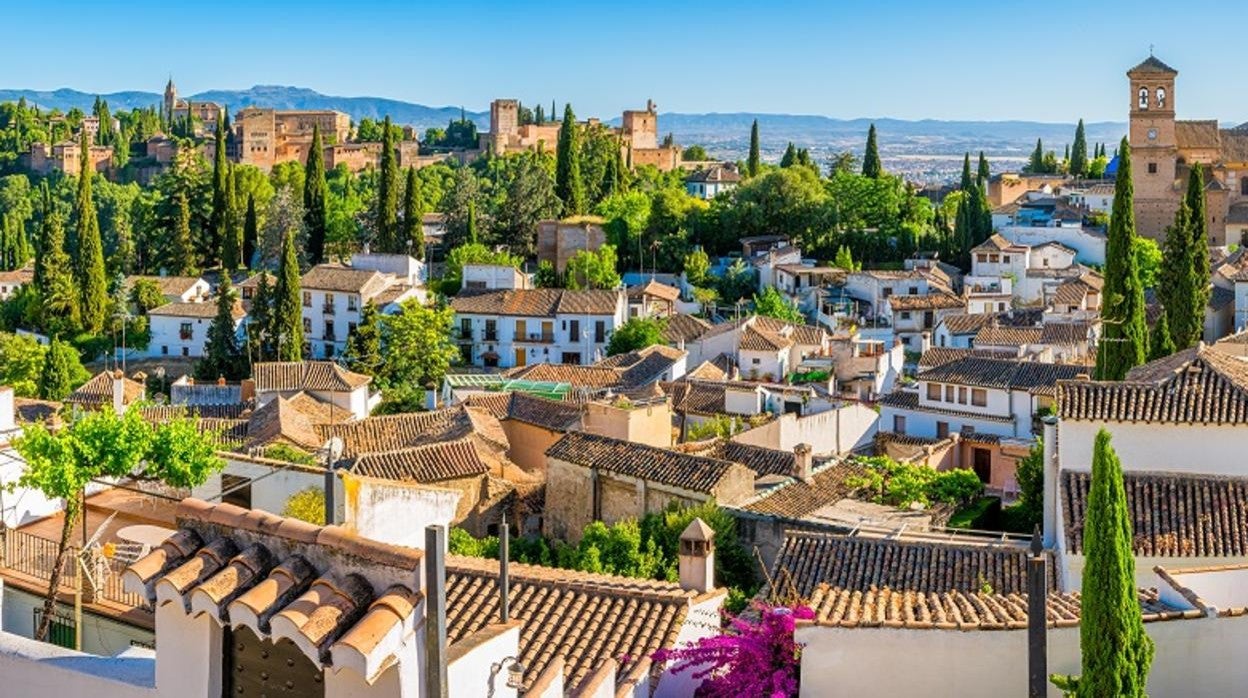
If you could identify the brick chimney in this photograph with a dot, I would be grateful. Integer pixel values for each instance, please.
(803, 462)
(697, 557)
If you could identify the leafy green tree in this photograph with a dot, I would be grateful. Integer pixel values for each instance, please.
(219, 222)
(845, 259)
(737, 282)
(181, 250)
(1159, 343)
(315, 193)
(1030, 476)
(1116, 652)
(1124, 337)
(1079, 153)
(772, 303)
(56, 380)
(90, 251)
(145, 294)
(22, 360)
(388, 195)
(288, 305)
(546, 277)
(363, 354)
(413, 216)
(309, 505)
(417, 345)
(871, 166)
(636, 333)
(698, 267)
(593, 269)
(251, 233)
(471, 253)
(222, 355)
(530, 199)
(104, 444)
(754, 162)
(1148, 260)
(568, 185)
(789, 158)
(695, 153)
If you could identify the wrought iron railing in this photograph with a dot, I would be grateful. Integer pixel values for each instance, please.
(35, 556)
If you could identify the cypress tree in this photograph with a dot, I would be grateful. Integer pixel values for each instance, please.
(983, 174)
(251, 232)
(1036, 164)
(363, 354)
(219, 221)
(50, 252)
(753, 162)
(181, 250)
(222, 357)
(539, 115)
(1159, 343)
(315, 191)
(90, 277)
(610, 176)
(790, 156)
(56, 377)
(966, 173)
(1116, 651)
(1124, 337)
(568, 185)
(288, 304)
(1199, 223)
(1175, 282)
(260, 328)
(388, 194)
(1079, 154)
(232, 243)
(471, 233)
(964, 229)
(413, 216)
(871, 166)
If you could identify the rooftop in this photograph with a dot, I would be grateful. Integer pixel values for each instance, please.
(665, 466)
(1032, 376)
(321, 376)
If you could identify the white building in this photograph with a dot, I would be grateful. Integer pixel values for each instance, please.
(478, 277)
(324, 380)
(713, 181)
(184, 289)
(181, 328)
(1088, 243)
(334, 295)
(12, 281)
(507, 328)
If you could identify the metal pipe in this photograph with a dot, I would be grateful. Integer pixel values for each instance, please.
(504, 581)
(1037, 620)
(329, 493)
(435, 612)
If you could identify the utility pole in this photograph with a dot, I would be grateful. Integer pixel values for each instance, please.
(1037, 620)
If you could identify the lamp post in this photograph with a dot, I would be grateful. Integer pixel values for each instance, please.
(515, 674)
(1037, 620)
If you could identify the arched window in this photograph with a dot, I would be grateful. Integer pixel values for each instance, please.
(1143, 98)
(1161, 98)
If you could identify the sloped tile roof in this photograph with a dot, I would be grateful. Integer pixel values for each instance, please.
(960, 610)
(1008, 336)
(799, 333)
(716, 174)
(1192, 387)
(798, 499)
(537, 302)
(757, 339)
(1066, 333)
(555, 415)
(909, 400)
(203, 311)
(939, 356)
(654, 288)
(163, 413)
(436, 462)
(582, 618)
(273, 576)
(281, 421)
(1197, 134)
(1006, 374)
(997, 243)
(1152, 64)
(1172, 515)
(306, 375)
(762, 460)
(98, 392)
(936, 300)
(170, 286)
(578, 376)
(682, 327)
(29, 410)
(342, 279)
(696, 397)
(660, 465)
(967, 323)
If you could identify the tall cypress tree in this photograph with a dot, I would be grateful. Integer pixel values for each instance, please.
(181, 249)
(251, 232)
(568, 185)
(222, 356)
(232, 245)
(1176, 283)
(871, 166)
(1159, 343)
(260, 328)
(288, 304)
(471, 233)
(56, 377)
(966, 183)
(1124, 337)
(413, 216)
(219, 221)
(1036, 164)
(964, 229)
(1079, 154)
(790, 156)
(90, 277)
(50, 250)
(315, 191)
(752, 163)
(983, 174)
(1116, 651)
(388, 194)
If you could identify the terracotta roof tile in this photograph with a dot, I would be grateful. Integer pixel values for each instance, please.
(798, 499)
(98, 392)
(399, 431)
(335, 277)
(757, 339)
(436, 462)
(538, 302)
(1032, 376)
(203, 311)
(682, 327)
(645, 462)
(1008, 336)
(936, 300)
(325, 376)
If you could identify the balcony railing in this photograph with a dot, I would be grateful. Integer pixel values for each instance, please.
(327, 309)
(543, 337)
(33, 556)
(491, 336)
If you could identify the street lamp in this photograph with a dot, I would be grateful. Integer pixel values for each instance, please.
(515, 673)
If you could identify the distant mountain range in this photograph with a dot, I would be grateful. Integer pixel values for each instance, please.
(924, 149)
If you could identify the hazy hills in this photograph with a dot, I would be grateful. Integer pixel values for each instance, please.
(924, 149)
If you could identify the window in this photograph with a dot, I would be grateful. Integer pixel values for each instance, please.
(184, 332)
(933, 391)
(1005, 259)
(942, 429)
(186, 351)
(981, 257)
(465, 327)
(961, 395)
(351, 328)
(307, 325)
(1161, 98)
(1152, 168)
(905, 315)
(1243, 185)
(307, 299)
(755, 361)
(164, 350)
(899, 424)
(1143, 102)
(600, 331)
(574, 334)
(950, 391)
(887, 292)
(979, 397)
(491, 331)
(913, 291)
(329, 330)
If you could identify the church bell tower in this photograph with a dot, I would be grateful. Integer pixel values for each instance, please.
(1154, 147)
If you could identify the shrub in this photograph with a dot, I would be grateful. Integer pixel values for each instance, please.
(307, 505)
(886, 481)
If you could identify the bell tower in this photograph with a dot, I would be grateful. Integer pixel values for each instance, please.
(1154, 146)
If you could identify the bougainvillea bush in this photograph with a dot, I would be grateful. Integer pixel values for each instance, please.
(755, 657)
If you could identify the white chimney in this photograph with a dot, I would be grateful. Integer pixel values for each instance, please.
(803, 462)
(697, 557)
(119, 392)
(8, 416)
(1050, 480)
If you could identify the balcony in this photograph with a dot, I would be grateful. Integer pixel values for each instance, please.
(327, 309)
(491, 336)
(537, 337)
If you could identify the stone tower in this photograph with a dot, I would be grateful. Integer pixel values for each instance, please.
(171, 99)
(1154, 146)
(504, 124)
(641, 128)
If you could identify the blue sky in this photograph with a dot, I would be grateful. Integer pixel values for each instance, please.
(1044, 61)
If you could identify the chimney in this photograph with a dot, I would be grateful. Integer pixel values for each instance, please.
(119, 392)
(1050, 480)
(8, 418)
(435, 612)
(247, 389)
(697, 557)
(803, 462)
